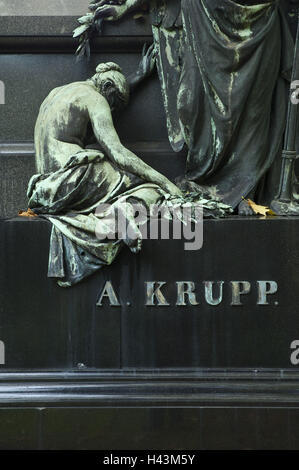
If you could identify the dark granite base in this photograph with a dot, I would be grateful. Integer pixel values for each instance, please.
(145, 411)
(81, 376)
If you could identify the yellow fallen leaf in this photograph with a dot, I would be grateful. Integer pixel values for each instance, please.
(261, 210)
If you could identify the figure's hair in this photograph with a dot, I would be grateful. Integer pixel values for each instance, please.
(111, 72)
(108, 67)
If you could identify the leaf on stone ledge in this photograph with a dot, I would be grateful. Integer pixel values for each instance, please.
(260, 210)
(28, 213)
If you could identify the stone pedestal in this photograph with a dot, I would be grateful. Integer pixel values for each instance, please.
(76, 375)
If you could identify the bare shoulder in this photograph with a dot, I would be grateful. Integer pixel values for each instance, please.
(77, 90)
(74, 90)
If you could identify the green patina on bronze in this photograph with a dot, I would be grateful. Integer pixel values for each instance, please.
(86, 175)
(224, 68)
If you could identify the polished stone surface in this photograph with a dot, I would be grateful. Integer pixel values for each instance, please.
(149, 428)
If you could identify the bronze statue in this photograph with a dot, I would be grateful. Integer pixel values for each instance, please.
(75, 115)
(225, 68)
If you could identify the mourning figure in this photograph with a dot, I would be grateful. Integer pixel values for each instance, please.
(74, 179)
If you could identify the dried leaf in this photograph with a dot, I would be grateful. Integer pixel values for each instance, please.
(80, 30)
(28, 213)
(260, 210)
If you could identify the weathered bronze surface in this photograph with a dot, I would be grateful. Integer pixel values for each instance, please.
(80, 188)
(224, 68)
(74, 180)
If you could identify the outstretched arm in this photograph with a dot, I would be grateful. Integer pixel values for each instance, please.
(102, 123)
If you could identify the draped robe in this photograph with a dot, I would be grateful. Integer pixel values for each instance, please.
(224, 69)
